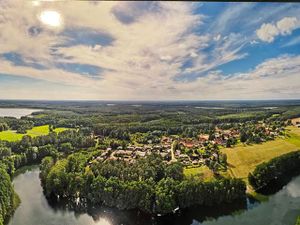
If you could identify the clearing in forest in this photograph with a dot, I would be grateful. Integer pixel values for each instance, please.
(11, 135)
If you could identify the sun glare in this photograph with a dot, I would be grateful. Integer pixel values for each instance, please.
(51, 18)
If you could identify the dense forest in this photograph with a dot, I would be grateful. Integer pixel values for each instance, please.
(8, 198)
(149, 184)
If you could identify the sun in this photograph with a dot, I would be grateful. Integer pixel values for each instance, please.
(51, 18)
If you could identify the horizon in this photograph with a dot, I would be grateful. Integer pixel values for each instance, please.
(147, 101)
(149, 51)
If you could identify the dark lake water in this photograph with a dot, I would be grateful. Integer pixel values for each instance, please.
(282, 208)
(16, 112)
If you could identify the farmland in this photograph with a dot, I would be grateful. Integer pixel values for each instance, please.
(11, 135)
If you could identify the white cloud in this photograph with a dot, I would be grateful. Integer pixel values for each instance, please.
(275, 78)
(151, 47)
(267, 32)
(287, 25)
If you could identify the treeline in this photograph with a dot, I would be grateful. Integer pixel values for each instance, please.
(8, 198)
(149, 184)
(32, 150)
(3, 126)
(279, 170)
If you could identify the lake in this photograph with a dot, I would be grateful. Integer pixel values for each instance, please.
(17, 112)
(282, 208)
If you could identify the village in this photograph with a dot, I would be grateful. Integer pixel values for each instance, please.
(189, 151)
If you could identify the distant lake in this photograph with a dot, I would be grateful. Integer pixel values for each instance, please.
(17, 112)
(282, 208)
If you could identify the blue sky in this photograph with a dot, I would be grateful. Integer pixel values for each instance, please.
(149, 50)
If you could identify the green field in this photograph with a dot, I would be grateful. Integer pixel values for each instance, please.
(11, 135)
(202, 172)
(239, 115)
(244, 159)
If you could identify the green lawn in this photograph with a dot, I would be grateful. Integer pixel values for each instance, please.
(11, 135)
(244, 159)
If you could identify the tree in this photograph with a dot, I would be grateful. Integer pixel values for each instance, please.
(224, 160)
(45, 168)
(3, 127)
(243, 137)
(165, 195)
(66, 147)
(4, 152)
(7, 198)
(175, 171)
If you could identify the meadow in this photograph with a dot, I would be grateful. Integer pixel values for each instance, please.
(243, 159)
(201, 172)
(11, 135)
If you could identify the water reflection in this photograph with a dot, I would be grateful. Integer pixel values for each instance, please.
(102, 215)
(282, 208)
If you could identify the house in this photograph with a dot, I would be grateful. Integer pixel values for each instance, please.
(177, 152)
(123, 153)
(130, 148)
(166, 140)
(140, 154)
(203, 138)
(165, 155)
(183, 156)
(138, 148)
(219, 141)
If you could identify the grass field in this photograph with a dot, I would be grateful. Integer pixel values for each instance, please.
(244, 159)
(202, 172)
(11, 135)
(238, 115)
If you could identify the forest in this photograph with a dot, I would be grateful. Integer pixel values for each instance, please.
(149, 184)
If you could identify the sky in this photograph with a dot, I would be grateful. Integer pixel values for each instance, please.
(77, 50)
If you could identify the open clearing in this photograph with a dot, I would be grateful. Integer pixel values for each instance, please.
(238, 115)
(11, 135)
(202, 172)
(244, 159)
